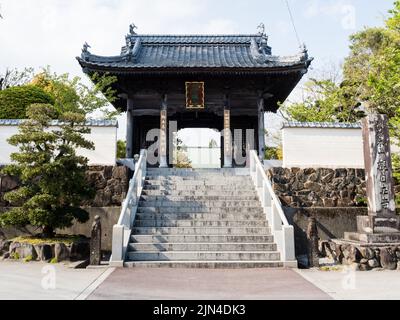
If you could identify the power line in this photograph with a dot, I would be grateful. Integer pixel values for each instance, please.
(293, 24)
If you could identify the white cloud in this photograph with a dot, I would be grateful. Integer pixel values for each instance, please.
(341, 10)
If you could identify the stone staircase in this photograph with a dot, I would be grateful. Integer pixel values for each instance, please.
(201, 218)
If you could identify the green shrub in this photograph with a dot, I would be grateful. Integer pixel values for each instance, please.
(54, 261)
(15, 256)
(28, 259)
(121, 149)
(15, 100)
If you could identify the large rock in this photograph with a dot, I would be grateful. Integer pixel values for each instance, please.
(22, 250)
(388, 259)
(120, 173)
(312, 186)
(373, 263)
(4, 246)
(351, 255)
(45, 252)
(367, 253)
(61, 252)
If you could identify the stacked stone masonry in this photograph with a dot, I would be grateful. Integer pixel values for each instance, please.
(329, 188)
(111, 185)
(362, 258)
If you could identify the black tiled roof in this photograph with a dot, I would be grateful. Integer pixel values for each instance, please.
(195, 51)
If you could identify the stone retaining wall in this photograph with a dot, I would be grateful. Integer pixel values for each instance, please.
(110, 182)
(329, 188)
(362, 258)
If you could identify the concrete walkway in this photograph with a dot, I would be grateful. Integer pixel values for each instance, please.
(206, 284)
(41, 281)
(350, 285)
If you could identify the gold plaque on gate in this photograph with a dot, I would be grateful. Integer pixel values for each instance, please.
(195, 95)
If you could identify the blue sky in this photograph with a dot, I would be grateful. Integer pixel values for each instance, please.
(52, 32)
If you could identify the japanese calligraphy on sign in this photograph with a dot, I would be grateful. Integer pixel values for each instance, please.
(227, 133)
(378, 165)
(163, 133)
(195, 95)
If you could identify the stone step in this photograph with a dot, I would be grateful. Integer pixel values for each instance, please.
(218, 171)
(200, 216)
(199, 223)
(202, 238)
(203, 178)
(204, 264)
(197, 198)
(194, 183)
(203, 255)
(202, 247)
(201, 203)
(210, 209)
(202, 188)
(175, 193)
(202, 231)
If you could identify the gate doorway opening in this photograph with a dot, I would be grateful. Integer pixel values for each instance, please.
(198, 148)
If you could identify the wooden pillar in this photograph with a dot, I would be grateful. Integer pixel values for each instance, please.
(228, 152)
(261, 129)
(163, 132)
(129, 129)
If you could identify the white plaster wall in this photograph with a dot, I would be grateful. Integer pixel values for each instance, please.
(322, 147)
(104, 139)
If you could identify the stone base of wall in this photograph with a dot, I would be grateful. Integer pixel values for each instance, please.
(328, 188)
(332, 223)
(110, 182)
(109, 217)
(47, 252)
(361, 256)
(111, 185)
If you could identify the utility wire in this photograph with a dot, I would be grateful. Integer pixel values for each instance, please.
(293, 24)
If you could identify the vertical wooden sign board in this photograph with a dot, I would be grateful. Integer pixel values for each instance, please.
(163, 137)
(227, 139)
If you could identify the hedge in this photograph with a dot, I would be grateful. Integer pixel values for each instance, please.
(15, 100)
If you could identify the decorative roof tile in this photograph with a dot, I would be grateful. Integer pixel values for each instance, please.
(195, 51)
(326, 125)
(89, 123)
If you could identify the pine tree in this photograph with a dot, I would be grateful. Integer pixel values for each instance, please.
(52, 175)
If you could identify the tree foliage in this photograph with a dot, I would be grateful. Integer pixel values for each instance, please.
(14, 78)
(14, 101)
(51, 173)
(326, 102)
(72, 95)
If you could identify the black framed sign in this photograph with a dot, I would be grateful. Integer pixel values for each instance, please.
(195, 95)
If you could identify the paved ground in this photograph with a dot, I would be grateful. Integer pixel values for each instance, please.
(39, 281)
(206, 284)
(348, 285)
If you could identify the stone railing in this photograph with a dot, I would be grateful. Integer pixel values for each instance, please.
(122, 230)
(283, 232)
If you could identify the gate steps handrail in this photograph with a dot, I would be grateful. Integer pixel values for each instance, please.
(283, 232)
(122, 230)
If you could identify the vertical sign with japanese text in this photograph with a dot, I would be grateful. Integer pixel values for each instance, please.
(378, 166)
(163, 133)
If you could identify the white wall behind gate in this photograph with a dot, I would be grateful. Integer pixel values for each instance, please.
(310, 145)
(103, 135)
